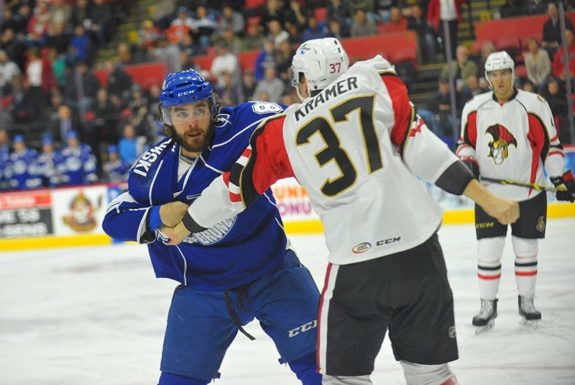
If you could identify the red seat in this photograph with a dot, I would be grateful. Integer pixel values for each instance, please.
(247, 59)
(254, 3)
(320, 14)
(521, 71)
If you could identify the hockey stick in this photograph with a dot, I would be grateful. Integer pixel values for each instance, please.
(534, 186)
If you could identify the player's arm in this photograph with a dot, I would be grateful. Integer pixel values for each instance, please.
(262, 163)
(128, 220)
(467, 142)
(543, 136)
(422, 151)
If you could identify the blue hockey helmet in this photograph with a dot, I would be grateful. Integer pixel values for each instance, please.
(185, 87)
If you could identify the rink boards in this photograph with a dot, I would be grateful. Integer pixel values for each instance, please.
(69, 217)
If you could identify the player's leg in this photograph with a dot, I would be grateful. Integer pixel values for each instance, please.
(422, 329)
(490, 244)
(526, 232)
(353, 317)
(285, 302)
(198, 333)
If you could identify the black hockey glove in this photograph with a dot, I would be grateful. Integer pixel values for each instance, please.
(471, 164)
(565, 185)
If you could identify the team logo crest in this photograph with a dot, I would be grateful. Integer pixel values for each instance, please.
(81, 217)
(540, 224)
(499, 146)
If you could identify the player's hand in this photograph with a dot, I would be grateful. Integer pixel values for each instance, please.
(565, 185)
(471, 164)
(175, 235)
(172, 213)
(504, 210)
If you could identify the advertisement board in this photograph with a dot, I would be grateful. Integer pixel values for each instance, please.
(25, 214)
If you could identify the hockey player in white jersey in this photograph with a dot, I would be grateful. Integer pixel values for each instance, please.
(357, 147)
(509, 134)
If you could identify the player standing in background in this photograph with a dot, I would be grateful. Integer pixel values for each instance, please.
(357, 147)
(239, 269)
(509, 134)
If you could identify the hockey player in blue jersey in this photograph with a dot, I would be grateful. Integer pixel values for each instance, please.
(237, 271)
(20, 170)
(78, 163)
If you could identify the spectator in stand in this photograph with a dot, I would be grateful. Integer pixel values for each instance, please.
(231, 39)
(513, 8)
(8, 20)
(20, 170)
(138, 106)
(60, 12)
(38, 24)
(119, 83)
(366, 6)
(266, 58)
(124, 53)
(439, 11)
(148, 35)
(38, 81)
(537, 63)
(81, 12)
(382, 9)
(130, 146)
(203, 26)
(362, 25)
(180, 26)
(471, 88)
(80, 46)
(273, 10)
(230, 92)
(162, 13)
(425, 36)
(254, 38)
(397, 22)
(339, 10)
(48, 162)
(461, 67)
(557, 101)
(271, 86)
(551, 38)
(14, 48)
(334, 29)
(249, 84)
(62, 124)
(559, 65)
(114, 169)
(101, 24)
(295, 15)
(8, 71)
(276, 32)
(284, 56)
(224, 62)
(313, 30)
(442, 108)
(103, 120)
(81, 91)
(231, 18)
(58, 38)
(167, 52)
(78, 164)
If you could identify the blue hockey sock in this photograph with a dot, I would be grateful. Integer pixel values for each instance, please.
(174, 379)
(306, 370)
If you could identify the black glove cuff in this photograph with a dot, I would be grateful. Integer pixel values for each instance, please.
(191, 225)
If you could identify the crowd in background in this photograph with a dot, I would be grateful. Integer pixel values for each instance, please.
(50, 98)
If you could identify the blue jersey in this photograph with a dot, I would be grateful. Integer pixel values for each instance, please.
(77, 166)
(20, 171)
(232, 253)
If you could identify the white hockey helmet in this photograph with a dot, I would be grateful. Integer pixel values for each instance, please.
(499, 61)
(321, 61)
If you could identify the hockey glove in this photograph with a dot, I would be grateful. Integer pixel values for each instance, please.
(565, 185)
(471, 164)
(162, 237)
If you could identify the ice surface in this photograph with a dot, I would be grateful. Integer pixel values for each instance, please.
(95, 316)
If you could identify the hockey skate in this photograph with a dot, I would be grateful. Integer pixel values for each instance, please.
(529, 315)
(485, 319)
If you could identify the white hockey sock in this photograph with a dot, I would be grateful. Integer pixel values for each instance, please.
(345, 380)
(489, 252)
(525, 265)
